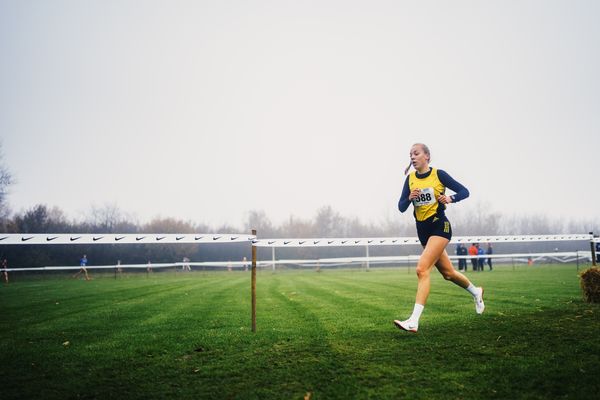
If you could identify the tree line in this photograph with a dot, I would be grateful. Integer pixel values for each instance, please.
(470, 219)
(325, 223)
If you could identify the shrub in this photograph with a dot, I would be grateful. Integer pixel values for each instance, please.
(590, 284)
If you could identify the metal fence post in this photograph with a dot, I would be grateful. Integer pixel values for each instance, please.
(253, 285)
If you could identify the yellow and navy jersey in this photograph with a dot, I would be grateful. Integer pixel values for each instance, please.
(432, 183)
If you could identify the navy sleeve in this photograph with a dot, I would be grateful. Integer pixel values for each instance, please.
(461, 191)
(403, 203)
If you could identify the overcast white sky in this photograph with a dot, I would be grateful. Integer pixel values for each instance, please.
(204, 110)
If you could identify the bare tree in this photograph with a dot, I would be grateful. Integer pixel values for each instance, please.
(258, 220)
(6, 179)
(328, 222)
(109, 219)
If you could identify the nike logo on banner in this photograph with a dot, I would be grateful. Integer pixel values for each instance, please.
(271, 242)
(316, 241)
(216, 237)
(356, 241)
(26, 239)
(5, 237)
(139, 238)
(344, 241)
(370, 241)
(160, 238)
(234, 237)
(198, 237)
(179, 237)
(119, 238)
(302, 242)
(382, 241)
(74, 239)
(288, 242)
(97, 238)
(49, 239)
(329, 242)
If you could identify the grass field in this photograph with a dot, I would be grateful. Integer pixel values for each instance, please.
(326, 335)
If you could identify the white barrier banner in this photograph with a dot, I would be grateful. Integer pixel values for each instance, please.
(128, 238)
(394, 241)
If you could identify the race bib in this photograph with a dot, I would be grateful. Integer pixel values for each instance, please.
(426, 197)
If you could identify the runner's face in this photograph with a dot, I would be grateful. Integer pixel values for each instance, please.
(419, 159)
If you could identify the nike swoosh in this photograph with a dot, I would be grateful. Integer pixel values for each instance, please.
(49, 239)
(271, 242)
(74, 239)
(179, 237)
(370, 241)
(97, 238)
(435, 219)
(344, 241)
(160, 238)
(302, 242)
(394, 241)
(356, 241)
(216, 237)
(234, 237)
(382, 241)
(23, 239)
(198, 237)
(330, 241)
(119, 238)
(138, 238)
(288, 242)
(316, 241)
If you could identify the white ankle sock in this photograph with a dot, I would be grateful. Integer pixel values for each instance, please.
(473, 290)
(416, 314)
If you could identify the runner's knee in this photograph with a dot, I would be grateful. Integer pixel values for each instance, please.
(422, 270)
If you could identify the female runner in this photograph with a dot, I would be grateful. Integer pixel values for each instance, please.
(426, 188)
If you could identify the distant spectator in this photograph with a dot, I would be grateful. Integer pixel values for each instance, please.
(186, 264)
(149, 267)
(480, 258)
(245, 261)
(489, 251)
(4, 271)
(598, 252)
(461, 251)
(473, 254)
(83, 264)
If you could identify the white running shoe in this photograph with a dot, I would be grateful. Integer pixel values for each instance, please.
(479, 306)
(407, 325)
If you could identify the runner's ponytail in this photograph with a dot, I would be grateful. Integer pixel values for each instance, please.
(408, 168)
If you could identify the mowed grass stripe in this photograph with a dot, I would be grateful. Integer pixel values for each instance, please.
(136, 322)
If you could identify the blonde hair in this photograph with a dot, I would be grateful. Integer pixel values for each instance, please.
(425, 150)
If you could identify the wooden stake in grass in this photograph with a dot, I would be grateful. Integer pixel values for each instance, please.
(253, 284)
